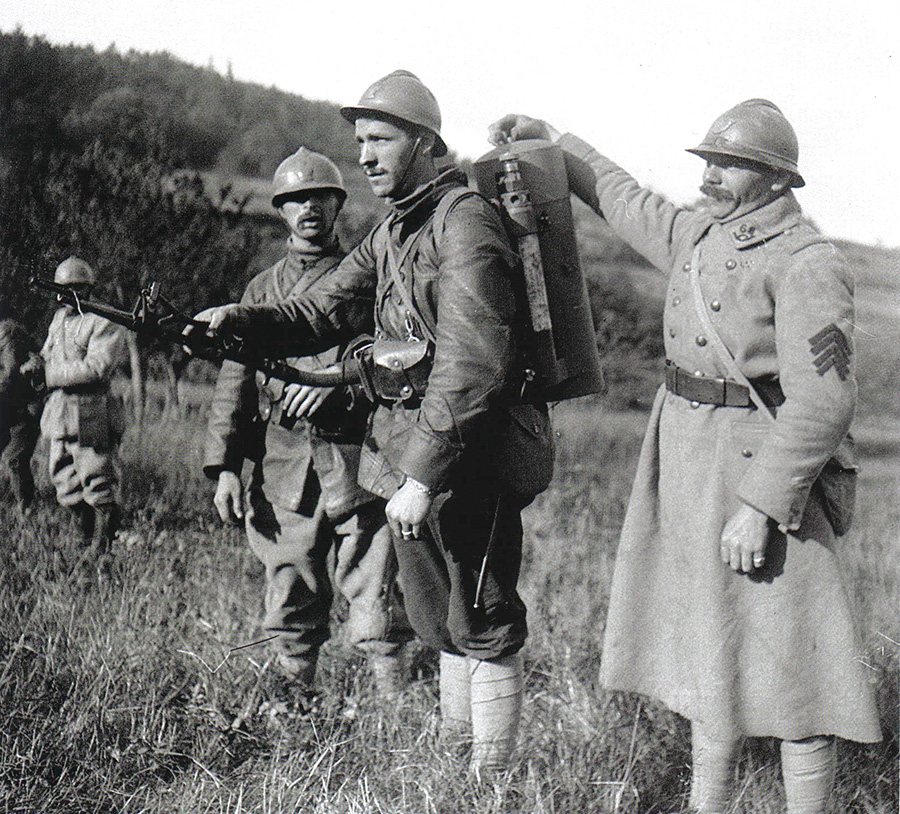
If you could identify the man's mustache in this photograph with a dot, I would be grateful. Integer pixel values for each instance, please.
(716, 192)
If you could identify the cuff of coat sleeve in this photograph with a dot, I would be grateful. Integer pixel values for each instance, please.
(213, 466)
(428, 458)
(764, 491)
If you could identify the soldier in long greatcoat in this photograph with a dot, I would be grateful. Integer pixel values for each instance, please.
(728, 604)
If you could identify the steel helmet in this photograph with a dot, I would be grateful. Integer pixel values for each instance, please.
(305, 170)
(74, 271)
(755, 130)
(401, 95)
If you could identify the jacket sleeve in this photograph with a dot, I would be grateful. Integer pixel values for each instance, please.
(339, 308)
(474, 348)
(648, 222)
(105, 345)
(814, 319)
(232, 409)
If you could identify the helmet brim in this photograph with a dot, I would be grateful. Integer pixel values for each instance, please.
(746, 155)
(353, 112)
(279, 198)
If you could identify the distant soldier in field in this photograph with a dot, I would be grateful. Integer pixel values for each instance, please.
(80, 417)
(303, 504)
(19, 407)
(727, 601)
(438, 272)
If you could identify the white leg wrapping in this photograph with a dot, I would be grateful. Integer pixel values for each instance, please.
(496, 694)
(456, 711)
(714, 758)
(808, 769)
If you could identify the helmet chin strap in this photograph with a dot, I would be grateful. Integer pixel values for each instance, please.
(406, 170)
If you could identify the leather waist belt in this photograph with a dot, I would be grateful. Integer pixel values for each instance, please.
(721, 392)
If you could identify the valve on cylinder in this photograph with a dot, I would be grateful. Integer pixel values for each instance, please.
(528, 179)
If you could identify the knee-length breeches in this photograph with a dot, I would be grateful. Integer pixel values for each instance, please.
(440, 571)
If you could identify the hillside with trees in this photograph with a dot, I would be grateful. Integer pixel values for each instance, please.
(153, 169)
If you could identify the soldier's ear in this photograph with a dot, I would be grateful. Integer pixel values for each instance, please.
(782, 181)
(426, 141)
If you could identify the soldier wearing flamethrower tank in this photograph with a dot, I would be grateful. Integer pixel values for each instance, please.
(302, 500)
(727, 600)
(438, 274)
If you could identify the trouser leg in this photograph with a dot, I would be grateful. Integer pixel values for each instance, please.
(440, 573)
(808, 767)
(714, 758)
(63, 474)
(293, 547)
(17, 456)
(496, 704)
(365, 575)
(96, 474)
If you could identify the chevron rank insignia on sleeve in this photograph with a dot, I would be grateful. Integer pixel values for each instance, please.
(830, 349)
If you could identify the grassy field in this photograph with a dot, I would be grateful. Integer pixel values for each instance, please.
(142, 694)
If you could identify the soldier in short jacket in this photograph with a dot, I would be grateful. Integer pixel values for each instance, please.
(438, 275)
(727, 601)
(81, 418)
(303, 501)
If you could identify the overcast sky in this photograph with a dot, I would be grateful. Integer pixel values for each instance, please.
(640, 80)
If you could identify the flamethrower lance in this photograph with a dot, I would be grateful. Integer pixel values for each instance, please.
(155, 317)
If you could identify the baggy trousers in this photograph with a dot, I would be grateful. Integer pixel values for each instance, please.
(300, 583)
(81, 473)
(439, 573)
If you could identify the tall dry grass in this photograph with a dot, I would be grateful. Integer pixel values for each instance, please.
(140, 694)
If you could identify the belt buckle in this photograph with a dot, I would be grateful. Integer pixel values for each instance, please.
(723, 384)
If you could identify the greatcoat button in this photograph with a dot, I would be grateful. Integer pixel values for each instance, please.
(676, 300)
(747, 453)
(716, 305)
(730, 264)
(686, 267)
(698, 374)
(695, 405)
(701, 341)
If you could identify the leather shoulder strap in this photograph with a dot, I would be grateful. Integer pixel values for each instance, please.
(718, 344)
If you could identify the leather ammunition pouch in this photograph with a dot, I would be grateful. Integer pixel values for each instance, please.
(394, 370)
(837, 481)
(341, 418)
(525, 453)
